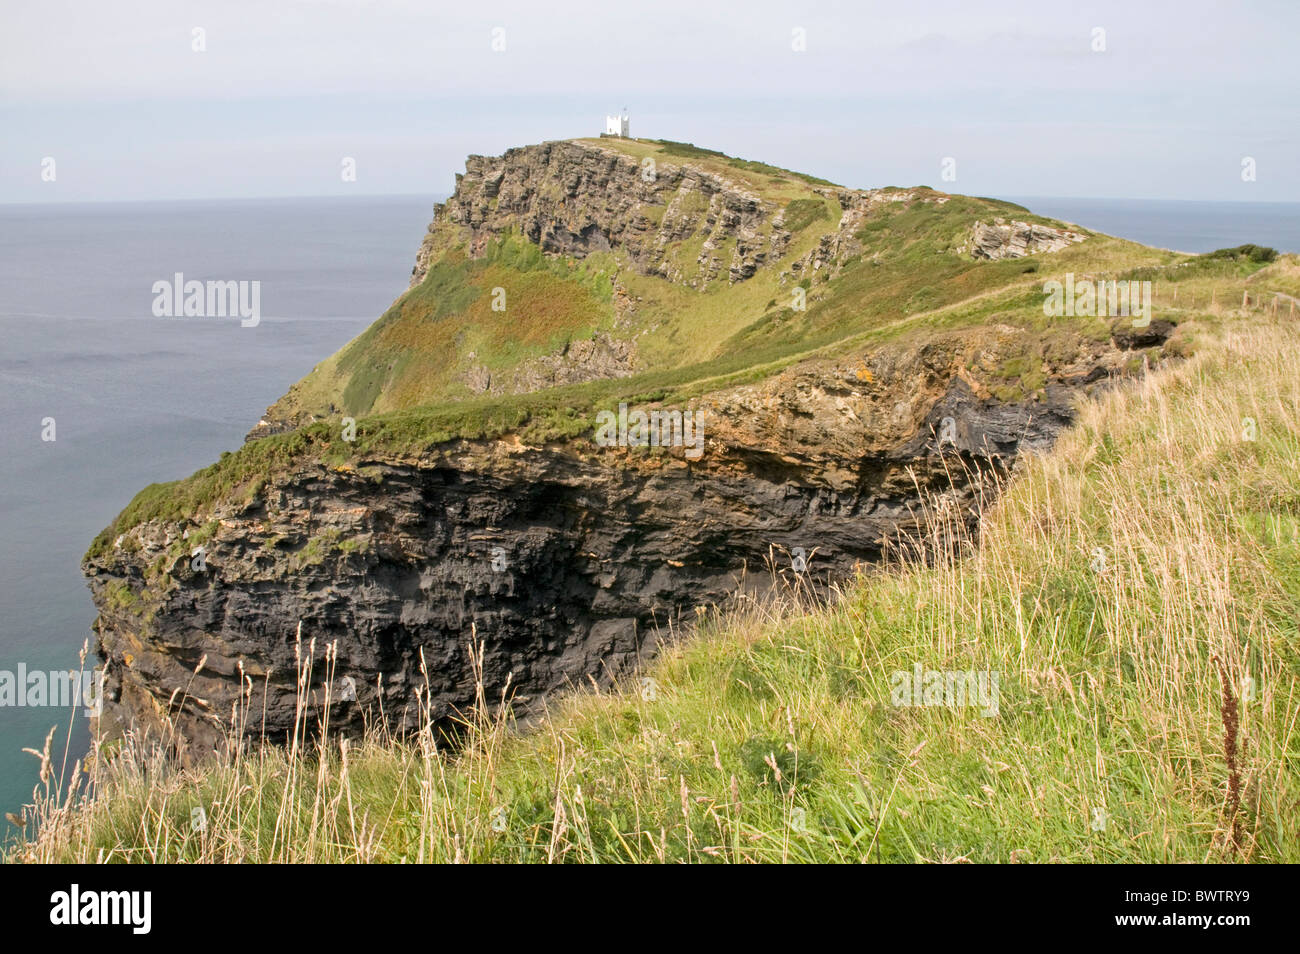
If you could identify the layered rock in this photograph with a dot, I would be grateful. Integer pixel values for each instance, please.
(599, 357)
(840, 246)
(565, 564)
(1002, 239)
(536, 568)
(576, 198)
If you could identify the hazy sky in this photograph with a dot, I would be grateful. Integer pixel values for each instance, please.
(117, 96)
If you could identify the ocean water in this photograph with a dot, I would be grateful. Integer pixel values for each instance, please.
(1182, 226)
(138, 399)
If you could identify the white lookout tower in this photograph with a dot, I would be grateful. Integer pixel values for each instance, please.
(617, 126)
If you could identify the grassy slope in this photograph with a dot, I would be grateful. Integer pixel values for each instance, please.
(400, 377)
(972, 296)
(772, 737)
(419, 352)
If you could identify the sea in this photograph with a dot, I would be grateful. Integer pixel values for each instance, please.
(1179, 225)
(135, 398)
(130, 398)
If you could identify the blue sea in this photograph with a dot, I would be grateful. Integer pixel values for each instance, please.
(1181, 226)
(137, 399)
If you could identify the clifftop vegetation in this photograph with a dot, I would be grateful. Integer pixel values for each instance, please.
(1136, 589)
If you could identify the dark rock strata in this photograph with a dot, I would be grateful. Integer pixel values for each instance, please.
(568, 563)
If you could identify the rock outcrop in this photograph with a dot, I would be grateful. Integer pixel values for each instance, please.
(839, 247)
(1002, 239)
(577, 198)
(565, 563)
(599, 357)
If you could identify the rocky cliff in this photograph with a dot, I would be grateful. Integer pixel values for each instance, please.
(565, 559)
(572, 261)
(572, 198)
(567, 562)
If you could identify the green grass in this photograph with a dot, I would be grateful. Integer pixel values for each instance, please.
(445, 332)
(421, 348)
(801, 213)
(690, 151)
(772, 734)
(832, 327)
(406, 378)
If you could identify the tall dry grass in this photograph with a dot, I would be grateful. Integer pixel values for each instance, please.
(1136, 590)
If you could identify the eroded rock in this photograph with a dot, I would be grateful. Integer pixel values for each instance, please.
(567, 563)
(1002, 239)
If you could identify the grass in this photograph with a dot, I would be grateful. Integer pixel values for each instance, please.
(801, 213)
(769, 181)
(496, 311)
(1000, 294)
(511, 304)
(1136, 590)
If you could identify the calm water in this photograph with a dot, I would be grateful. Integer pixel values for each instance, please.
(1185, 226)
(138, 399)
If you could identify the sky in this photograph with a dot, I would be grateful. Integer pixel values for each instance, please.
(104, 101)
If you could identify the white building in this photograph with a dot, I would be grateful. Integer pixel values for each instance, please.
(617, 126)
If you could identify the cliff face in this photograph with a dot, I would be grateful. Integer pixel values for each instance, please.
(567, 562)
(576, 261)
(574, 199)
